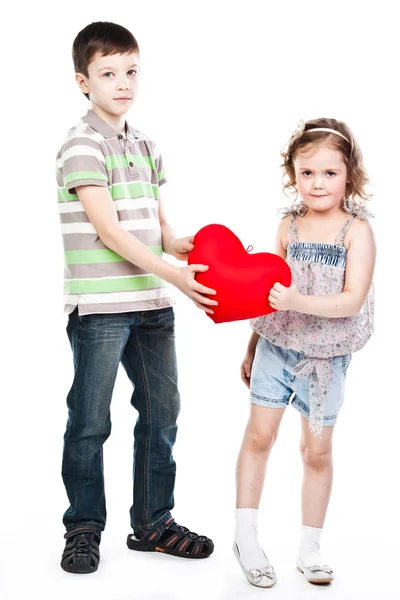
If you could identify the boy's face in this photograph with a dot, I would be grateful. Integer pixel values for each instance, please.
(112, 83)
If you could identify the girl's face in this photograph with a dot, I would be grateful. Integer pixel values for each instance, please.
(321, 177)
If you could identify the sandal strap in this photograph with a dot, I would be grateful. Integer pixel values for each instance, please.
(74, 532)
(82, 542)
(179, 539)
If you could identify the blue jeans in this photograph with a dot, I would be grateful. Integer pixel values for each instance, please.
(144, 342)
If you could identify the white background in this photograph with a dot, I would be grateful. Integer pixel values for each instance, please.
(223, 86)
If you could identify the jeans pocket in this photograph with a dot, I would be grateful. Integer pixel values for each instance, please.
(160, 318)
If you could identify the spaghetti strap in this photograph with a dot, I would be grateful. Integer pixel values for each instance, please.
(342, 233)
(293, 231)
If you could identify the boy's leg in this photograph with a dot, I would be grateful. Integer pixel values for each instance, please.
(97, 342)
(150, 362)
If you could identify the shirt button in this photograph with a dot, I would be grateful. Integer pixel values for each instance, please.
(131, 164)
(120, 136)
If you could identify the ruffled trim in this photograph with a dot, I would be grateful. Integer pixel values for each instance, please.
(350, 206)
(298, 208)
(357, 209)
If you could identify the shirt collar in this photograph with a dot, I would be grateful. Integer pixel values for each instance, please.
(99, 125)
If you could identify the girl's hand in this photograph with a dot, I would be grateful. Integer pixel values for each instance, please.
(283, 298)
(245, 368)
(181, 247)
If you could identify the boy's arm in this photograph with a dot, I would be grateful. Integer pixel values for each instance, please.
(359, 272)
(167, 233)
(177, 247)
(101, 212)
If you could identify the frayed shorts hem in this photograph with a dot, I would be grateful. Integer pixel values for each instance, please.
(284, 402)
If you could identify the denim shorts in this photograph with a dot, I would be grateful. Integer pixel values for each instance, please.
(274, 385)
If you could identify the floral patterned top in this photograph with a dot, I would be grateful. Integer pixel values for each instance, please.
(319, 270)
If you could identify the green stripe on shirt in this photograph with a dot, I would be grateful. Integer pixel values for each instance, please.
(79, 175)
(117, 284)
(138, 189)
(90, 257)
(63, 195)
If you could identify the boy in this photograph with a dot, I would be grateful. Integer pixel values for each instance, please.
(114, 232)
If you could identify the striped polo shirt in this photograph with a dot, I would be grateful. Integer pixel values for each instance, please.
(98, 280)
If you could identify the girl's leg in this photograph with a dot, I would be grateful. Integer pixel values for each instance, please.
(316, 489)
(260, 435)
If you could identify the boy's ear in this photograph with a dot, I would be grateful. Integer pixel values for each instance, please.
(81, 81)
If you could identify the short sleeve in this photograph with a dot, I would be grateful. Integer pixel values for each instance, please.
(81, 161)
(161, 177)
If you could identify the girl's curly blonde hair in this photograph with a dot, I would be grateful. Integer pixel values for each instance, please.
(349, 148)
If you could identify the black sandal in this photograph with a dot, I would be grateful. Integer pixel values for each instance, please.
(81, 553)
(171, 538)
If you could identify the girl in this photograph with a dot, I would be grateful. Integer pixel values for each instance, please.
(302, 351)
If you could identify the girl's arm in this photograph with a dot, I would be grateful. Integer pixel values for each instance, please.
(280, 250)
(361, 256)
(281, 238)
(251, 346)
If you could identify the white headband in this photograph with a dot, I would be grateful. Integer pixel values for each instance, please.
(301, 130)
(328, 130)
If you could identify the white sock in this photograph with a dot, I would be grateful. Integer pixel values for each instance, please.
(309, 548)
(251, 553)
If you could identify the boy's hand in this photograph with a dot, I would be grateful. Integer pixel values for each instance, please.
(186, 282)
(181, 247)
(283, 298)
(245, 368)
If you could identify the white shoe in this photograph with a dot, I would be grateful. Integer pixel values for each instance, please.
(315, 573)
(264, 578)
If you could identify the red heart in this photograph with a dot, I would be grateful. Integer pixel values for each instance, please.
(242, 280)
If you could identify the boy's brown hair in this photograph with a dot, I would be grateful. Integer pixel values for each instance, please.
(104, 37)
